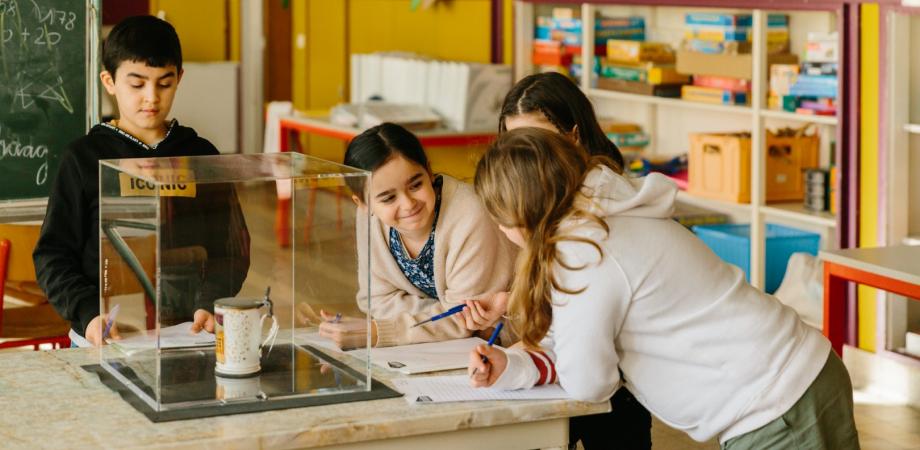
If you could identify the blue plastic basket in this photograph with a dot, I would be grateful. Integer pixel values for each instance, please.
(732, 242)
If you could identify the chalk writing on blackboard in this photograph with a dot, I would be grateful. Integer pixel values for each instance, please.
(13, 148)
(43, 47)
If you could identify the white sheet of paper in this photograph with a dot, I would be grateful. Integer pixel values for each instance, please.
(456, 388)
(176, 336)
(78, 340)
(421, 358)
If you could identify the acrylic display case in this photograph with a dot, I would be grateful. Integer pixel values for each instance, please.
(178, 234)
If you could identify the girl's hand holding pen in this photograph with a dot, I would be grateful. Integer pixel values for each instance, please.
(484, 371)
(484, 313)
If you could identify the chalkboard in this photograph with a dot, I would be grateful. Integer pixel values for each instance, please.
(43, 85)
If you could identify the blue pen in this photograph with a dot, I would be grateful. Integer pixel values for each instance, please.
(444, 314)
(111, 320)
(498, 329)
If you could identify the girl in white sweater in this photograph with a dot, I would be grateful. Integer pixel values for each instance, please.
(429, 237)
(610, 291)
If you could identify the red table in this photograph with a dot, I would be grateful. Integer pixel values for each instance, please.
(892, 269)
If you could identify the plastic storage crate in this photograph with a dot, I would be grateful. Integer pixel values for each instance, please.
(732, 243)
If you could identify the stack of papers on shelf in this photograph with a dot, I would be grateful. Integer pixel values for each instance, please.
(456, 388)
(370, 114)
(176, 336)
(421, 358)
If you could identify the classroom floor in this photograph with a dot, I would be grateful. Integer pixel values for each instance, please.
(883, 423)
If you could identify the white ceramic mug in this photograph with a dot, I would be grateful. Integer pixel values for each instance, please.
(238, 335)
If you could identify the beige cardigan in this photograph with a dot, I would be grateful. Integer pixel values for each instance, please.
(471, 258)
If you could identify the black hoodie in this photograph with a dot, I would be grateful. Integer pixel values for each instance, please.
(67, 254)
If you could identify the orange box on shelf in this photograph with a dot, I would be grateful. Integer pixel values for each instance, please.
(720, 165)
(550, 53)
(789, 152)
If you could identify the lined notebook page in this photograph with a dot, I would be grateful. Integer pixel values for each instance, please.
(421, 358)
(456, 388)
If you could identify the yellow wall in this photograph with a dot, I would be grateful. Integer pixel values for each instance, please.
(331, 31)
(203, 27)
(868, 162)
(457, 30)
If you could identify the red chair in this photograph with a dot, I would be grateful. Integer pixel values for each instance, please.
(32, 320)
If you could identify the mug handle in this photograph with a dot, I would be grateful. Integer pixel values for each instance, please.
(272, 333)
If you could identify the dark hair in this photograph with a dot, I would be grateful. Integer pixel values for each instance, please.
(377, 145)
(144, 39)
(555, 96)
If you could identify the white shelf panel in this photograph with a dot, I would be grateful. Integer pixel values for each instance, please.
(714, 205)
(785, 115)
(912, 128)
(676, 102)
(796, 211)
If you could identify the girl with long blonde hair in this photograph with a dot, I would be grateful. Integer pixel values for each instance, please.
(610, 292)
(553, 102)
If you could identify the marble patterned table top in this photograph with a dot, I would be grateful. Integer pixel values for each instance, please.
(48, 401)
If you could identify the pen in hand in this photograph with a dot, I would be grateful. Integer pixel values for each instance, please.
(498, 329)
(110, 321)
(444, 314)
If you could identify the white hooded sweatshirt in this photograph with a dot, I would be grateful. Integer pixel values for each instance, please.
(699, 347)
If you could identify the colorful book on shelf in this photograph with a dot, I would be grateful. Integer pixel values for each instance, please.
(725, 34)
(819, 68)
(815, 86)
(730, 47)
(568, 30)
(713, 95)
(550, 53)
(816, 108)
(727, 83)
(650, 73)
(637, 87)
(822, 47)
(782, 78)
(738, 20)
(634, 52)
(714, 47)
(612, 126)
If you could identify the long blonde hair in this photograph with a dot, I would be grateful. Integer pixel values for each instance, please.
(530, 178)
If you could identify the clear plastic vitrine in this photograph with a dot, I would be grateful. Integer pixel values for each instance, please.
(177, 234)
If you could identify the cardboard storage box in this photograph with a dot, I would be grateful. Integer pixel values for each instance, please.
(720, 166)
(721, 65)
(638, 87)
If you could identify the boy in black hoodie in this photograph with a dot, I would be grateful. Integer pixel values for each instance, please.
(142, 62)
